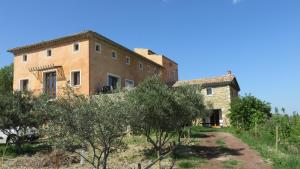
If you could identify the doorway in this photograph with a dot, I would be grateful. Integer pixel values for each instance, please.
(50, 84)
(215, 118)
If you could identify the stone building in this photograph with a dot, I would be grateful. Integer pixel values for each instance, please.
(218, 94)
(88, 62)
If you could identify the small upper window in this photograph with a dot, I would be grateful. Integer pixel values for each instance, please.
(24, 85)
(148, 68)
(98, 48)
(75, 78)
(24, 58)
(76, 47)
(209, 91)
(114, 54)
(49, 52)
(141, 66)
(128, 60)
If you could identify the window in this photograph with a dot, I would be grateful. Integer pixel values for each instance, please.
(127, 60)
(75, 78)
(98, 48)
(129, 83)
(113, 81)
(209, 91)
(24, 58)
(76, 47)
(114, 54)
(148, 68)
(141, 66)
(24, 85)
(49, 52)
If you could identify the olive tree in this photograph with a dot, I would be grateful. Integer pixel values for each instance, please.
(153, 112)
(18, 115)
(190, 106)
(95, 122)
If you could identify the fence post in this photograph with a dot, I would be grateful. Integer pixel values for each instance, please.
(277, 132)
(139, 166)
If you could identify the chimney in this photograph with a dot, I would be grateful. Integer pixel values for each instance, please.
(229, 72)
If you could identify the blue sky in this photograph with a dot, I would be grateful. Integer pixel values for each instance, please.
(259, 40)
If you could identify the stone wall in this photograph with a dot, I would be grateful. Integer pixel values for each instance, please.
(220, 99)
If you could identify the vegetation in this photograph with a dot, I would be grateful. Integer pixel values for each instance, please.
(96, 122)
(158, 112)
(6, 79)
(247, 112)
(18, 116)
(255, 125)
(189, 106)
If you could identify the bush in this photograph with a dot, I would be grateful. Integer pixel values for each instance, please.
(247, 112)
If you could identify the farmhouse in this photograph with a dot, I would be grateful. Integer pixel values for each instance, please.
(88, 62)
(218, 93)
(91, 63)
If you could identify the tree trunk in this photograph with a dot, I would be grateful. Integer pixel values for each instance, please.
(159, 161)
(105, 157)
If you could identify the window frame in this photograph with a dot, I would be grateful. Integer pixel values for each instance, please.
(24, 61)
(212, 92)
(76, 43)
(72, 78)
(116, 54)
(126, 59)
(21, 84)
(126, 80)
(119, 84)
(47, 54)
(141, 67)
(100, 47)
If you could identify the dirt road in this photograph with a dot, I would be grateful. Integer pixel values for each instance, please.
(223, 150)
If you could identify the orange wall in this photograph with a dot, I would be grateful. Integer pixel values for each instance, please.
(62, 55)
(102, 63)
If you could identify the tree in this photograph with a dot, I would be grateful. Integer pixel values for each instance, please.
(6, 79)
(189, 107)
(18, 115)
(248, 111)
(96, 122)
(153, 112)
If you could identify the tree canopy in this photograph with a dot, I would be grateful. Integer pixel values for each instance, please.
(248, 111)
(6, 79)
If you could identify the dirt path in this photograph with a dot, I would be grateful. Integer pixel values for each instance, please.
(223, 150)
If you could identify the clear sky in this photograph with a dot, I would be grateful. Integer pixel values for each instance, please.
(259, 40)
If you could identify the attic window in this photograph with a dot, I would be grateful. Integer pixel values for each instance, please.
(49, 52)
(98, 47)
(141, 66)
(24, 58)
(209, 91)
(76, 47)
(114, 54)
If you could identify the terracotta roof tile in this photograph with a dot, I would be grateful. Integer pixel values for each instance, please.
(228, 79)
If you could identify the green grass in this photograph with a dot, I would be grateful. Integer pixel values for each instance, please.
(10, 150)
(221, 143)
(190, 162)
(230, 163)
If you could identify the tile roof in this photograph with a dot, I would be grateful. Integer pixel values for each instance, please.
(228, 79)
(72, 38)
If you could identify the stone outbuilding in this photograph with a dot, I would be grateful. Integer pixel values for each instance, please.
(218, 93)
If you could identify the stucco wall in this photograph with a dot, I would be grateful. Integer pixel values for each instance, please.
(62, 55)
(102, 63)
